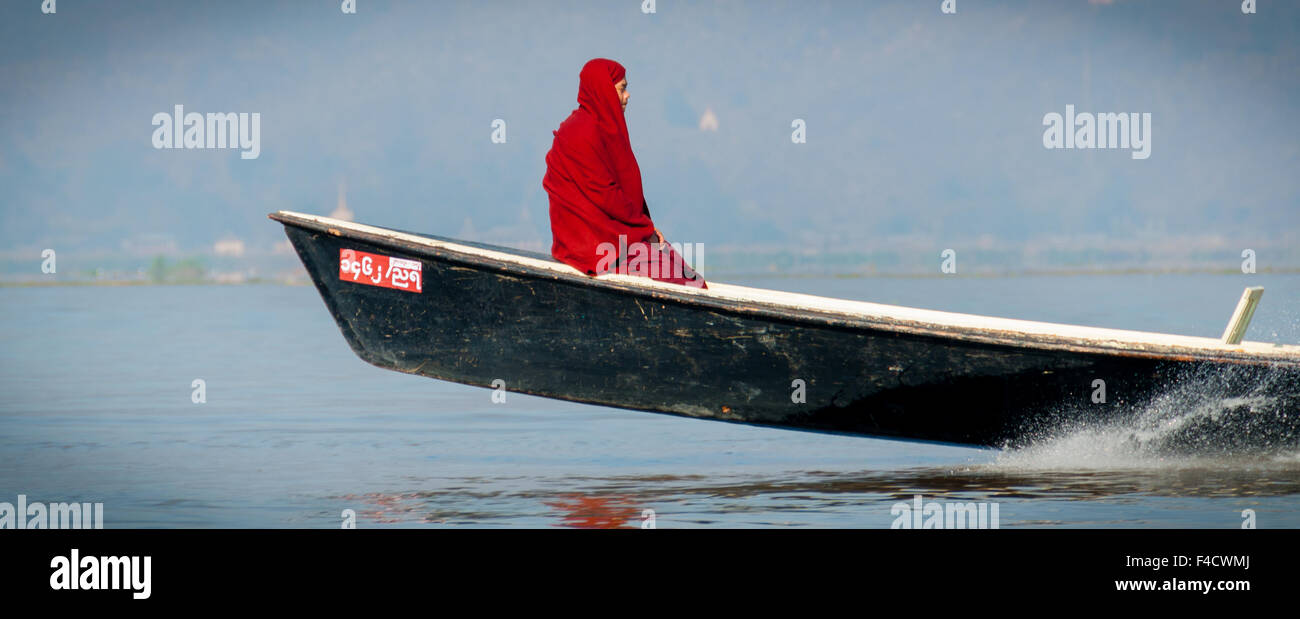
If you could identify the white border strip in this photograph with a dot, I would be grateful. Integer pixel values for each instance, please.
(922, 318)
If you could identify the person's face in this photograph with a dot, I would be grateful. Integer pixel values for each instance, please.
(621, 89)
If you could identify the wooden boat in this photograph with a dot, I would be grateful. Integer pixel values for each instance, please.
(503, 318)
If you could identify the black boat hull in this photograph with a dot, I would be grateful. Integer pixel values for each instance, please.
(500, 326)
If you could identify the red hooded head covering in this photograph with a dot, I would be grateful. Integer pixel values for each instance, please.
(592, 177)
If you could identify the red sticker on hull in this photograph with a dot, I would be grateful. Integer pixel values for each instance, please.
(375, 270)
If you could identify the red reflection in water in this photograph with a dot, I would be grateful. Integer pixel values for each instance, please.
(597, 512)
(389, 508)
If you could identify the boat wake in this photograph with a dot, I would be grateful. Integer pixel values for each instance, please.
(1200, 418)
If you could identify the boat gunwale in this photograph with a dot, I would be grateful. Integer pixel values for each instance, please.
(502, 260)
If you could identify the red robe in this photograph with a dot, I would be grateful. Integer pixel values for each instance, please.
(594, 183)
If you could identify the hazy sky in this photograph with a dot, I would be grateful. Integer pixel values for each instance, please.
(920, 125)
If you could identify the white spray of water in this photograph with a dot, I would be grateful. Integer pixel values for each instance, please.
(1185, 427)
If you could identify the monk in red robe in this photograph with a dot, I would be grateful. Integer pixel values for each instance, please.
(600, 221)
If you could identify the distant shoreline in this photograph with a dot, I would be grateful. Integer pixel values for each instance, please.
(718, 276)
(112, 283)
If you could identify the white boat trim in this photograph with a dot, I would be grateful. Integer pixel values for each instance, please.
(991, 326)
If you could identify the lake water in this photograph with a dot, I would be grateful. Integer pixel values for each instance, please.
(96, 406)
